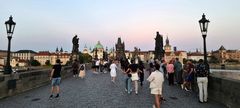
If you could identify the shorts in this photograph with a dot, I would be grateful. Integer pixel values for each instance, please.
(156, 91)
(56, 81)
(189, 78)
(135, 77)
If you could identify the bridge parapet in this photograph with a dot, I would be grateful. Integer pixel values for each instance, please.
(224, 89)
(20, 82)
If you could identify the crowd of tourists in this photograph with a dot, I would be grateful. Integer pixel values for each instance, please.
(182, 75)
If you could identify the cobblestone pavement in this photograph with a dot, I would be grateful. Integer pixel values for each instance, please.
(97, 91)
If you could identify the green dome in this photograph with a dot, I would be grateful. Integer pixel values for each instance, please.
(99, 45)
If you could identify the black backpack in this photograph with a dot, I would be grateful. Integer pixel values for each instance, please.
(82, 67)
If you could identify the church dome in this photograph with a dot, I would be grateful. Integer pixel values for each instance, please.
(99, 45)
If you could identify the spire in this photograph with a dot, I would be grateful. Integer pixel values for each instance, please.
(167, 41)
(119, 40)
(222, 48)
(57, 49)
(61, 50)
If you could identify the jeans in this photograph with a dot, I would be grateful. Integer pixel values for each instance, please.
(202, 85)
(128, 81)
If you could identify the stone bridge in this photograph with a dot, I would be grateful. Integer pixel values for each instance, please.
(97, 91)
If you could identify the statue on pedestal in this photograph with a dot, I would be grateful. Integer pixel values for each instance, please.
(75, 44)
(75, 49)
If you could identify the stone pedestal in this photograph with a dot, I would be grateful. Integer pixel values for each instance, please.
(75, 56)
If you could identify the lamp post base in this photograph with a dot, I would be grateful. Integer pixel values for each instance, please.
(7, 69)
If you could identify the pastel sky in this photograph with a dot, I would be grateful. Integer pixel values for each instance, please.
(47, 24)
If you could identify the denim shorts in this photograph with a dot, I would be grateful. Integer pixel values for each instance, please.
(56, 81)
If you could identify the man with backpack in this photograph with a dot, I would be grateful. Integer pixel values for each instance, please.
(202, 72)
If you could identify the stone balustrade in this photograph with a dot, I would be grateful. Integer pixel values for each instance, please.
(20, 82)
(225, 90)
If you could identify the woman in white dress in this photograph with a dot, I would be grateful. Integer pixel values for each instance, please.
(82, 71)
(113, 71)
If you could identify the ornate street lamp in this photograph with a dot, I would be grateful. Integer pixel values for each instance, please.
(204, 26)
(10, 25)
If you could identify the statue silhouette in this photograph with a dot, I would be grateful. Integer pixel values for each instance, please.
(75, 44)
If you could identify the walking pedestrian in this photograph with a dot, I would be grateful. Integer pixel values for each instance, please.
(55, 77)
(151, 65)
(170, 71)
(141, 74)
(128, 79)
(156, 80)
(113, 72)
(75, 67)
(101, 65)
(163, 68)
(82, 71)
(93, 65)
(178, 71)
(188, 74)
(134, 69)
(105, 66)
(185, 76)
(202, 71)
(97, 65)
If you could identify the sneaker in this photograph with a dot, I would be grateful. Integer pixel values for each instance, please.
(50, 96)
(163, 99)
(153, 106)
(186, 89)
(136, 93)
(182, 86)
(126, 90)
(57, 96)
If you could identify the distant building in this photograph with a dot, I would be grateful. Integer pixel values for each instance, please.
(85, 50)
(44, 56)
(169, 54)
(223, 55)
(181, 55)
(195, 56)
(167, 47)
(3, 53)
(24, 54)
(17, 62)
(2, 62)
(98, 51)
(143, 55)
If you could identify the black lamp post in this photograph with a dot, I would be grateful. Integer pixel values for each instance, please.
(204, 26)
(10, 25)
